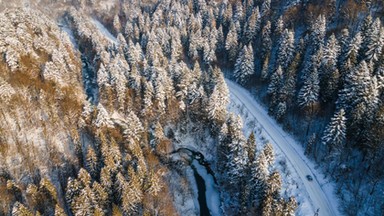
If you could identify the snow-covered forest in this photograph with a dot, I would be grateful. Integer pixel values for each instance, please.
(120, 107)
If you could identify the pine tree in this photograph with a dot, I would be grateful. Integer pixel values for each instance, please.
(318, 29)
(102, 77)
(266, 42)
(291, 79)
(335, 132)
(116, 24)
(101, 195)
(259, 174)
(344, 40)
(367, 34)
(373, 42)
(275, 85)
(266, 9)
(48, 190)
(119, 186)
(103, 119)
(92, 162)
(290, 207)
(251, 148)
(252, 26)
(132, 193)
(59, 211)
(231, 43)
(236, 159)
(309, 92)
(208, 54)
(222, 149)
(274, 183)
(72, 191)
(328, 70)
(134, 127)
(380, 77)
(265, 69)
(279, 26)
(360, 94)
(218, 101)
(6, 90)
(220, 47)
(84, 178)
(154, 184)
(269, 154)
(106, 180)
(84, 204)
(20, 210)
(285, 49)
(354, 48)
(244, 67)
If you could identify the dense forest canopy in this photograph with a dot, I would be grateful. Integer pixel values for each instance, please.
(97, 96)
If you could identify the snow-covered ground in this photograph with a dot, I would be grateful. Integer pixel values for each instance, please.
(290, 158)
(69, 32)
(105, 31)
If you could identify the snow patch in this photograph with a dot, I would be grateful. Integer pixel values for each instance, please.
(70, 34)
(105, 31)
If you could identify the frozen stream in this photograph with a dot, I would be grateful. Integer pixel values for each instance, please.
(208, 193)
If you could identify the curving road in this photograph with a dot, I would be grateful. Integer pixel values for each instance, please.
(278, 138)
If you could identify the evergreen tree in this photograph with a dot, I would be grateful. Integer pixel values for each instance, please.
(220, 47)
(20, 210)
(309, 92)
(285, 51)
(318, 29)
(335, 132)
(231, 43)
(251, 148)
(328, 69)
(290, 207)
(101, 195)
(275, 86)
(6, 90)
(344, 40)
(84, 204)
(265, 69)
(269, 154)
(116, 23)
(237, 159)
(266, 9)
(244, 67)
(252, 26)
(279, 26)
(106, 181)
(59, 211)
(367, 34)
(103, 119)
(360, 94)
(92, 162)
(266, 42)
(291, 79)
(132, 193)
(373, 42)
(218, 101)
(259, 174)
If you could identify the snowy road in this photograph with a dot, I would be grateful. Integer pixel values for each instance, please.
(287, 145)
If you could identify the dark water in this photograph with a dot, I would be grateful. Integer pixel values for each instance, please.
(204, 210)
(90, 80)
